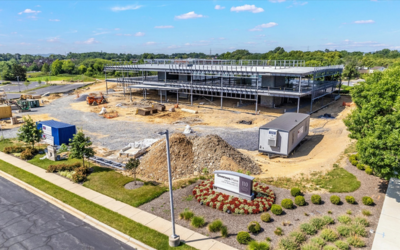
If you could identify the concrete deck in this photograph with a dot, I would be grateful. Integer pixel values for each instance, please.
(388, 230)
(161, 225)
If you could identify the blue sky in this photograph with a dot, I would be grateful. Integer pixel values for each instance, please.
(39, 27)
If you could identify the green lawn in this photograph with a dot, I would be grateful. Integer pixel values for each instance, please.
(113, 219)
(65, 77)
(8, 143)
(111, 183)
(339, 180)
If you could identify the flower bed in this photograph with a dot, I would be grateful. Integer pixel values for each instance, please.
(205, 194)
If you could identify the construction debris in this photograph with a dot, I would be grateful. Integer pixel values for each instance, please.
(171, 110)
(245, 122)
(190, 111)
(187, 130)
(192, 157)
(111, 114)
(103, 111)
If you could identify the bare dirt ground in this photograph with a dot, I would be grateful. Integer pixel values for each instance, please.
(370, 186)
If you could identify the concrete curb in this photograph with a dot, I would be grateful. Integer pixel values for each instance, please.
(73, 211)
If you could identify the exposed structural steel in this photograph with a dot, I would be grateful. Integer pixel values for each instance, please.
(267, 83)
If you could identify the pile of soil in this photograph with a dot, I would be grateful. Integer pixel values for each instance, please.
(190, 156)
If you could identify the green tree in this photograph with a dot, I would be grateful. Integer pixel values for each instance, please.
(89, 71)
(350, 70)
(375, 123)
(80, 147)
(39, 81)
(33, 67)
(18, 70)
(45, 68)
(56, 67)
(132, 166)
(68, 66)
(28, 132)
(82, 69)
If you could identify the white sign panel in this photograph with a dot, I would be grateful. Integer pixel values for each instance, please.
(300, 132)
(227, 182)
(46, 129)
(48, 139)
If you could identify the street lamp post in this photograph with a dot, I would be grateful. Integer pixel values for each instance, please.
(174, 240)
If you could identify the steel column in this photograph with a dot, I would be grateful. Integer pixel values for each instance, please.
(105, 74)
(221, 92)
(298, 104)
(191, 90)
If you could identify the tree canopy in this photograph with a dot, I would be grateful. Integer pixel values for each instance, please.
(376, 122)
(28, 132)
(80, 147)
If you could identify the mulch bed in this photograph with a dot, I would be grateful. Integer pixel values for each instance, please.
(370, 186)
(131, 185)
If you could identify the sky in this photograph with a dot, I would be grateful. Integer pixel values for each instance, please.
(41, 27)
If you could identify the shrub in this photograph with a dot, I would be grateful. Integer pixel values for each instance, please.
(63, 167)
(276, 209)
(308, 229)
(295, 192)
(342, 245)
(350, 199)
(354, 162)
(310, 246)
(254, 227)
(328, 220)
(318, 223)
(366, 200)
(254, 245)
(266, 217)
(329, 235)
(362, 221)
(27, 154)
(13, 149)
(352, 158)
(81, 174)
(298, 237)
(224, 231)
(358, 229)
(329, 247)
(360, 166)
(287, 203)
(197, 221)
(368, 170)
(345, 219)
(186, 215)
(344, 230)
(316, 199)
(300, 201)
(349, 212)
(366, 212)
(355, 241)
(243, 238)
(278, 231)
(288, 244)
(318, 241)
(215, 226)
(335, 199)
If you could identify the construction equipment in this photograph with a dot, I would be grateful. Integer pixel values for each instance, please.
(23, 105)
(92, 99)
(26, 97)
(3, 97)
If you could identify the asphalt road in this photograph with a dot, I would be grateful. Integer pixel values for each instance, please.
(28, 222)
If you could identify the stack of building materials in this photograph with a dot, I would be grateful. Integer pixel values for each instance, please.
(5, 111)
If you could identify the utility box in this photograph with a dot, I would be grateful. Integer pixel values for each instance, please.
(56, 133)
(282, 135)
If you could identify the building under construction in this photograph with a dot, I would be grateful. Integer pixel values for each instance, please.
(267, 83)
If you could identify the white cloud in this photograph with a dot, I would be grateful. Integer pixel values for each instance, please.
(100, 33)
(277, 1)
(264, 26)
(123, 8)
(221, 38)
(262, 35)
(189, 15)
(32, 17)
(14, 32)
(219, 7)
(150, 43)
(117, 29)
(247, 7)
(173, 47)
(24, 43)
(364, 21)
(139, 34)
(119, 34)
(251, 42)
(53, 39)
(164, 27)
(54, 20)
(89, 41)
(29, 11)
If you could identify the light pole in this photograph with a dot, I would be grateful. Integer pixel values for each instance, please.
(174, 240)
(18, 84)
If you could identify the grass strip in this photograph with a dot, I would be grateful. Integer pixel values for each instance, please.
(121, 223)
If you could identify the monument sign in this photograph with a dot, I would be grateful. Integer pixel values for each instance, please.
(233, 183)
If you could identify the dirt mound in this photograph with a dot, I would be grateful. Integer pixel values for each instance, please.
(190, 156)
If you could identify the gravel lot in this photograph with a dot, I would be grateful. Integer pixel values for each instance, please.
(114, 134)
(370, 186)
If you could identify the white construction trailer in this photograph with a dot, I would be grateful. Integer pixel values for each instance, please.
(282, 135)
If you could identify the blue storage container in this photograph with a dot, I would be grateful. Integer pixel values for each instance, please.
(56, 133)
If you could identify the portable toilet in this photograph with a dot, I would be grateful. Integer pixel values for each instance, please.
(281, 135)
(56, 133)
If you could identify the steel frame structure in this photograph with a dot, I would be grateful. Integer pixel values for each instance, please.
(228, 69)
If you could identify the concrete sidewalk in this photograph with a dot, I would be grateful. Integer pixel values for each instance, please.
(387, 232)
(161, 225)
